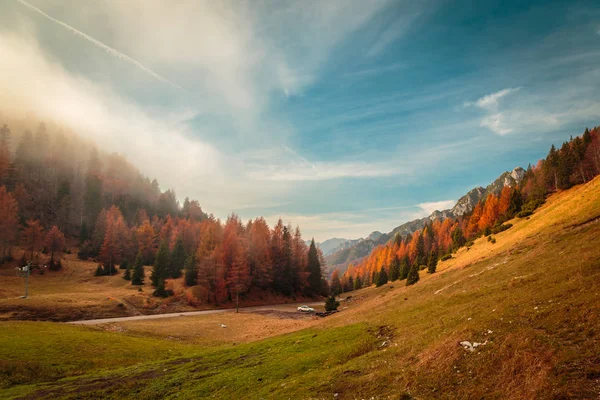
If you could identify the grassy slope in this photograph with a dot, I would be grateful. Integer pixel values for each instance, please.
(534, 296)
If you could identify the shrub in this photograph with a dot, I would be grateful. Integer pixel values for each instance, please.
(487, 231)
(491, 239)
(331, 304)
(469, 243)
(55, 265)
(446, 257)
(524, 213)
(501, 228)
(85, 251)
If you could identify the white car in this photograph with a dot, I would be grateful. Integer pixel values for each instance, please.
(306, 309)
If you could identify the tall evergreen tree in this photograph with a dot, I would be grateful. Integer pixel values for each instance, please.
(314, 269)
(137, 277)
(177, 259)
(161, 265)
(404, 268)
(382, 278)
(432, 262)
(413, 275)
(395, 269)
(191, 270)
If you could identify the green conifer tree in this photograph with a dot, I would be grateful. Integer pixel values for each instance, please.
(395, 269)
(137, 277)
(382, 277)
(413, 275)
(177, 260)
(432, 262)
(161, 265)
(314, 270)
(191, 270)
(404, 268)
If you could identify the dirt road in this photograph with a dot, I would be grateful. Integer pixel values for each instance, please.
(281, 307)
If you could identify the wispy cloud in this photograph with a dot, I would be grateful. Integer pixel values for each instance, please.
(377, 70)
(108, 49)
(321, 171)
(298, 156)
(490, 101)
(391, 33)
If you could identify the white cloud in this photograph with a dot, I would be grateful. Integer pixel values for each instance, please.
(490, 101)
(432, 206)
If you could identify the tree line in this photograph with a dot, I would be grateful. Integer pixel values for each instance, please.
(50, 192)
(576, 162)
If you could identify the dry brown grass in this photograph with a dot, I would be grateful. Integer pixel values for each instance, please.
(206, 329)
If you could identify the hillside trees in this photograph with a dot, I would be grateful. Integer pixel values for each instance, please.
(56, 179)
(9, 220)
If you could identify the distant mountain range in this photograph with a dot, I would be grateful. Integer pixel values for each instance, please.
(349, 251)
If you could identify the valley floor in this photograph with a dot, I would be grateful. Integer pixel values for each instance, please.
(532, 301)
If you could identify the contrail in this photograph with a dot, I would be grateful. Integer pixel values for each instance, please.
(109, 50)
(292, 152)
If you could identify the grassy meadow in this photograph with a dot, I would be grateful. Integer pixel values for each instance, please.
(532, 300)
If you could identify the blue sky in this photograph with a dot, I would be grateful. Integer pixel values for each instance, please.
(342, 117)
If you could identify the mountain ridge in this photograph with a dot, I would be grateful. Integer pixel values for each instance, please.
(464, 205)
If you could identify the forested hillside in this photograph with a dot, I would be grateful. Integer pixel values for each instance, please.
(576, 162)
(58, 189)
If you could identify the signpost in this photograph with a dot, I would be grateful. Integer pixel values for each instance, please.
(24, 272)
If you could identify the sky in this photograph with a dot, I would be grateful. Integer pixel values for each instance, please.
(342, 117)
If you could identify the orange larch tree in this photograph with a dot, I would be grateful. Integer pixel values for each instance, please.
(55, 243)
(33, 236)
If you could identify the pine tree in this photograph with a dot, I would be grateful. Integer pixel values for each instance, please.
(357, 283)
(395, 269)
(458, 239)
(191, 270)
(161, 265)
(432, 262)
(314, 269)
(160, 288)
(137, 277)
(382, 278)
(404, 268)
(127, 274)
(177, 260)
(413, 275)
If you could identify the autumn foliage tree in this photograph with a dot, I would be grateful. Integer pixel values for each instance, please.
(33, 235)
(55, 243)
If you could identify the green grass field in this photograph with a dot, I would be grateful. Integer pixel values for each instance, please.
(532, 298)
